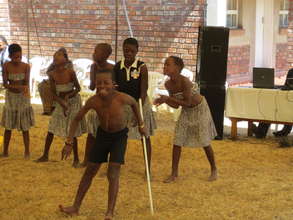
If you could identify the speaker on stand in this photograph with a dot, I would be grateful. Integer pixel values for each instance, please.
(212, 69)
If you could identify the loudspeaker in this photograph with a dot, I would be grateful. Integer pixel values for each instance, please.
(213, 54)
(215, 97)
(212, 65)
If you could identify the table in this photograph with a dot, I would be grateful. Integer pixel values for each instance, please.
(258, 105)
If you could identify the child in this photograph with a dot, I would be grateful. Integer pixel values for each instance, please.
(111, 138)
(44, 86)
(131, 76)
(100, 56)
(195, 127)
(65, 89)
(17, 111)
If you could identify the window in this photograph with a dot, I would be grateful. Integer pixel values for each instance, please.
(283, 14)
(232, 14)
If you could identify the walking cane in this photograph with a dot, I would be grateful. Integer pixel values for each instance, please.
(146, 162)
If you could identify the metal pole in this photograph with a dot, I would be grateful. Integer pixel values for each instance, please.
(116, 29)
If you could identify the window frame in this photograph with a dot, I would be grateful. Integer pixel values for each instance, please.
(231, 13)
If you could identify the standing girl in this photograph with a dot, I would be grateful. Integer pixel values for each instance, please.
(65, 89)
(17, 112)
(195, 126)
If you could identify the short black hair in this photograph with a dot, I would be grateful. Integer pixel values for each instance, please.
(105, 71)
(13, 48)
(105, 47)
(131, 41)
(178, 61)
(3, 39)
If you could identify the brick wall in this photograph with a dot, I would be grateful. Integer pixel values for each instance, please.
(4, 21)
(163, 27)
(238, 63)
(281, 59)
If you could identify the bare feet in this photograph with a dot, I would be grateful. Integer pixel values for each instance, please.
(70, 210)
(213, 176)
(170, 179)
(42, 159)
(108, 216)
(76, 164)
(83, 164)
(27, 156)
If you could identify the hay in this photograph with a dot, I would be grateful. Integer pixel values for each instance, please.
(255, 181)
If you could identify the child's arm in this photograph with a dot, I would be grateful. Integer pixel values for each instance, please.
(73, 126)
(174, 102)
(133, 103)
(93, 77)
(144, 85)
(76, 86)
(54, 92)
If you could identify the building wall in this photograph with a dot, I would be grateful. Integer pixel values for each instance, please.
(162, 27)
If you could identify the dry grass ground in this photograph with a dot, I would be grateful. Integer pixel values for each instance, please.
(255, 181)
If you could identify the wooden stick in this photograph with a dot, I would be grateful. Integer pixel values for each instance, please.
(146, 162)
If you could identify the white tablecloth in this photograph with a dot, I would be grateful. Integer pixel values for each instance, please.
(261, 104)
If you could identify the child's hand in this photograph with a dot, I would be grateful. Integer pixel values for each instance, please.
(66, 150)
(26, 91)
(142, 130)
(162, 99)
(65, 106)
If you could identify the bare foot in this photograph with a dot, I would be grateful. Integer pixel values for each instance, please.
(70, 210)
(213, 176)
(4, 155)
(83, 164)
(27, 156)
(76, 164)
(42, 159)
(108, 216)
(170, 179)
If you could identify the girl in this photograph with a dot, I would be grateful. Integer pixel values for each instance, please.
(17, 112)
(44, 86)
(195, 127)
(65, 89)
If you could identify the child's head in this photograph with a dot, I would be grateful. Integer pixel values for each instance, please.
(130, 49)
(60, 57)
(64, 51)
(15, 53)
(104, 82)
(102, 52)
(173, 65)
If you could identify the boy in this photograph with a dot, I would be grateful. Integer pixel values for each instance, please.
(111, 138)
(131, 76)
(100, 56)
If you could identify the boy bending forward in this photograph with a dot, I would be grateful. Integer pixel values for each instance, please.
(111, 138)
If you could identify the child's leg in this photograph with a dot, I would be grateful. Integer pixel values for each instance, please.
(90, 141)
(175, 164)
(84, 185)
(210, 155)
(75, 153)
(149, 151)
(113, 178)
(45, 156)
(7, 136)
(26, 141)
